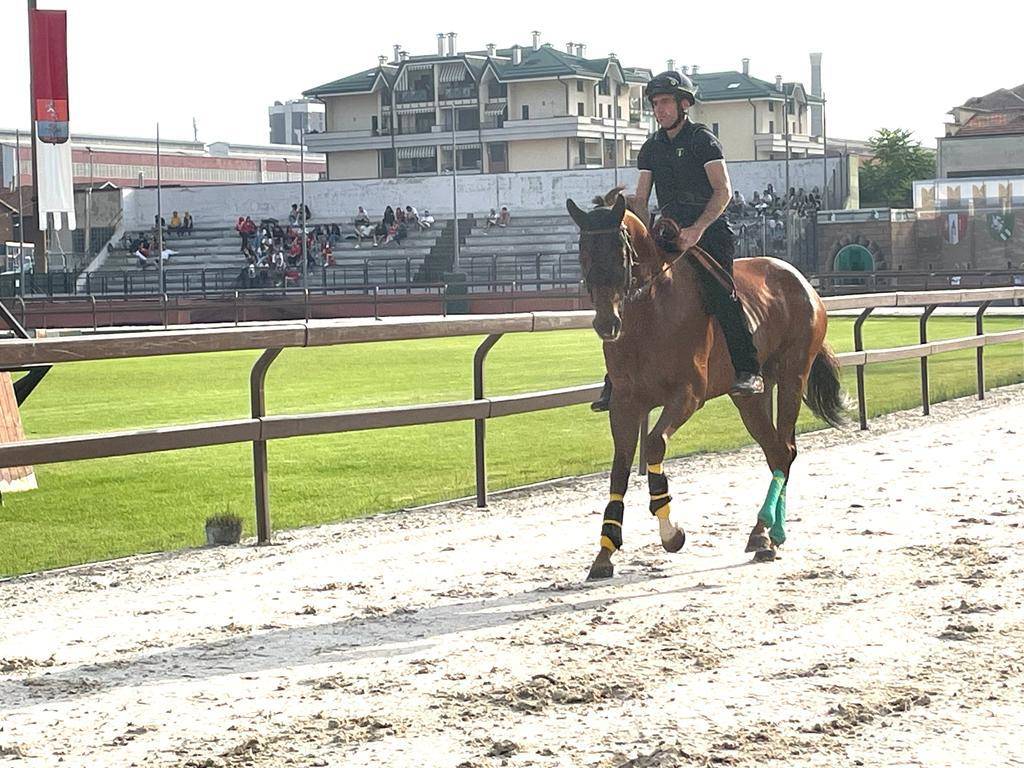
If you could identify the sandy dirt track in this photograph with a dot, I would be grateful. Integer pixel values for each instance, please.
(890, 634)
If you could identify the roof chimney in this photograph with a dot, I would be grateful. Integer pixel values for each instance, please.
(686, 69)
(536, 40)
(581, 50)
(816, 74)
(382, 60)
(778, 82)
(517, 55)
(491, 48)
(746, 66)
(451, 43)
(403, 55)
(570, 48)
(670, 65)
(398, 50)
(695, 68)
(440, 43)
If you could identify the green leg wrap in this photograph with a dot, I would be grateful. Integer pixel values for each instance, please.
(771, 501)
(778, 530)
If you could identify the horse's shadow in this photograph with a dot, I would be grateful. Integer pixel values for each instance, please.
(397, 634)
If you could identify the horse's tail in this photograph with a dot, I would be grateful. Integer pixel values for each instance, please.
(825, 394)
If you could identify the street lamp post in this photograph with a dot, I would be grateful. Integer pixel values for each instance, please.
(159, 214)
(302, 203)
(88, 207)
(455, 195)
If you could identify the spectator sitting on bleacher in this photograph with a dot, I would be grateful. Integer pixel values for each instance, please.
(426, 221)
(504, 218)
(187, 223)
(362, 217)
(492, 220)
(327, 254)
(365, 231)
(175, 227)
(399, 214)
(389, 218)
(293, 216)
(412, 216)
(334, 234)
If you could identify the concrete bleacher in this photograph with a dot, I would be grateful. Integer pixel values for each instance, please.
(533, 245)
(221, 249)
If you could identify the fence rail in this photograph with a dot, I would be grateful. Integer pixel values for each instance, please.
(260, 428)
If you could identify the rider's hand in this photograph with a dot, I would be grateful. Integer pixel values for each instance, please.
(687, 238)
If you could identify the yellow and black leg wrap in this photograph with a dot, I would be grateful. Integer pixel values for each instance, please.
(611, 528)
(657, 483)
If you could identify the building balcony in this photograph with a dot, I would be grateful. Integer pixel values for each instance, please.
(456, 92)
(414, 96)
(800, 145)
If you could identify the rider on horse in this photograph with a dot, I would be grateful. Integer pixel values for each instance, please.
(684, 162)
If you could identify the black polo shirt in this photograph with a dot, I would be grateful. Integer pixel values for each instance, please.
(678, 164)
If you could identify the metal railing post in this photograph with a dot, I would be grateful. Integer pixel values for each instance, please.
(923, 326)
(376, 309)
(260, 468)
(92, 300)
(480, 425)
(858, 345)
(979, 327)
(163, 308)
(305, 303)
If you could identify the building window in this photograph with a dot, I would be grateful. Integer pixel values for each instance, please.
(579, 86)
(604, 87)
(791, 108)
(589, 151)
(771, 126)
(618, 111)
(714, 128)
(580, 109)
(771, 106)
(526, 111)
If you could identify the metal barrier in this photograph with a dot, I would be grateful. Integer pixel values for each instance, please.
(272, 339)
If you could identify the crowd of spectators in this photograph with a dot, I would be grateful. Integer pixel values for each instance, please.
(761, 222)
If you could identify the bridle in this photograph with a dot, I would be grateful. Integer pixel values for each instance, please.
(632, 288)
(629, 259)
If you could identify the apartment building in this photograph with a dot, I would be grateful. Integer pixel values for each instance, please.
(522, 108)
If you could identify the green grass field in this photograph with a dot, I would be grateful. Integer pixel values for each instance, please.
(94, 510)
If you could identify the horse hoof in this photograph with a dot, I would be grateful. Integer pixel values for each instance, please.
(765, 555)
(757, 542)
(676, 542)
(600, 571)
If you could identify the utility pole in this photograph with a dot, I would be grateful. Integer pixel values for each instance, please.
(39, 241)
(21, 210)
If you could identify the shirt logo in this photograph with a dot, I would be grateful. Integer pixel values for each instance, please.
(679, 151)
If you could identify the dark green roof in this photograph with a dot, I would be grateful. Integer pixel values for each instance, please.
(546, 61)
(723, 86)
(361, 82)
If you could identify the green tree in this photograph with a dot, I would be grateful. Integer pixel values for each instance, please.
(886, 182)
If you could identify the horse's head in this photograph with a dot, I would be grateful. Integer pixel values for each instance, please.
(606, 263)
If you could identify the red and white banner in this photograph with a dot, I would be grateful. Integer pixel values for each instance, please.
(48, 50)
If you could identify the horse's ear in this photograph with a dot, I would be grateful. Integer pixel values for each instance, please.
(577, 215)
(619, 209)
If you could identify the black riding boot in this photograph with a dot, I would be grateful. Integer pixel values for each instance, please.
(605, 398)
(742, 351)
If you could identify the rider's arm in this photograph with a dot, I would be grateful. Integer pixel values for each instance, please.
(721, 188)
(643, 194)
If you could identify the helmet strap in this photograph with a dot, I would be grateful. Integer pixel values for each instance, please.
(680, 115)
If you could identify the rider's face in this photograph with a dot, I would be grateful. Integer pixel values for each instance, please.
(666, 110)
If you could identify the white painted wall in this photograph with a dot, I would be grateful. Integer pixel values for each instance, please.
(220, 206)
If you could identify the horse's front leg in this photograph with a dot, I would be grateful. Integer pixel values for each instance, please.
(624, 416)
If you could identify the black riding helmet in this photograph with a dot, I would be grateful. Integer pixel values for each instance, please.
(672, 83)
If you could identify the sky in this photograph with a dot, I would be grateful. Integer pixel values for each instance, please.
(133, 64)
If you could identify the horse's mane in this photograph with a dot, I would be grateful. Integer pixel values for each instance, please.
(608, 200)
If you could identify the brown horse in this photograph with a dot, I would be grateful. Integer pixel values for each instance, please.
(662, 349)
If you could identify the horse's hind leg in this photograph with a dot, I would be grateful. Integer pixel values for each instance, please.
(790, 396)
(756, 413)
